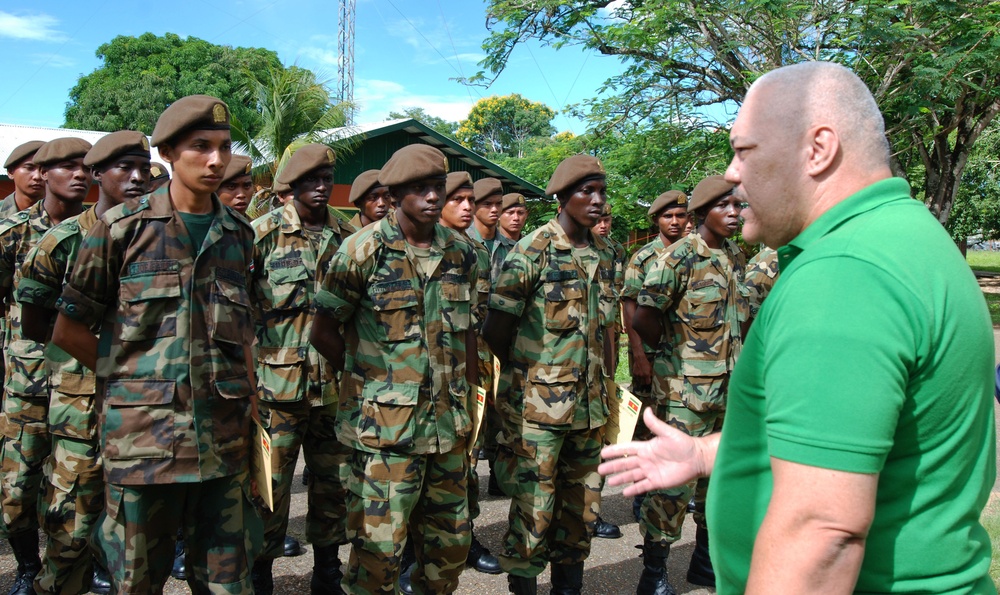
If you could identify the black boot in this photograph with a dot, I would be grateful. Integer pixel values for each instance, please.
(606, 530)
(100, 583)
(522, 585)
(407, 563)
(653, 580)
(700, 571)
(567, 579)
(292, 547)
(179, 571)
(262, 577)
(25, 547)
(326, 571)
(481, 559)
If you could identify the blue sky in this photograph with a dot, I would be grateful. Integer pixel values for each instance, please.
(406, 51)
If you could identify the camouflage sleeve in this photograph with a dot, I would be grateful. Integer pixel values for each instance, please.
(342, 288)
(634, 275)
(515, 285)
(42, 276)
(661, 287)
(483, 285)
(93, 283)
(8, 258)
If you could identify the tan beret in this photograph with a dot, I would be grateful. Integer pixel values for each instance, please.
(708, 190)
(305, 160)
(22, 152)
(239, 165)
(456, 180)
(280, 188)
(412, 163)
(194, 112)
(123, 142)
(513, 199)
(363, 184)
(158, 170)
(487, 187)
(61, 149)
(670, 197)
(572, 170)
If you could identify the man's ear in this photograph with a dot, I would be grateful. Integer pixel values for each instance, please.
(823, 148)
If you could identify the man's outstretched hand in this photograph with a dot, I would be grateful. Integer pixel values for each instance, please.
(670, 459)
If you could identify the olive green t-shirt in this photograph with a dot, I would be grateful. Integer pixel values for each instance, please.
(197, 227)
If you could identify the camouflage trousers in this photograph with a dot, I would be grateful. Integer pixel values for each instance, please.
(663, 511)
(314, 429)
(71, 505)
(551, 476)
(394, 497)
(222, 531)
(25, 449)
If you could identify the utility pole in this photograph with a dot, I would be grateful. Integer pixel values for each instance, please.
(345, 59)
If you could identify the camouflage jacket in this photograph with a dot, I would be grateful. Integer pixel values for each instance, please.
(288, 270)
(355, 223)
(483, 287)
(762, 272)
(635, 276)
(502, 246)
(404, 387)
(8, 206)
(619, 283)
(43, 275)
(703, 301)
(26, 379)
(172, 379)
(565, 301)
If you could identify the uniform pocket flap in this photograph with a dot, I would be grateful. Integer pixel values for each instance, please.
(454, 292)
(151, 286)
(131, 393)
(234, 388)
(71, 383)
(403, 394)
(282, 356)
(393, 299)
(281, 276)
(563, 291)
(26, 349)
(232, 292)
(554, 375)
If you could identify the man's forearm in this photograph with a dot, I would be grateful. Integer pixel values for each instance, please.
(328, 341)
(76, 339)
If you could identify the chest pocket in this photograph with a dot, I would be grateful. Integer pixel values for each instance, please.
(565, 304)
(703, 307)
(609, 299)
(456, 306)
(150, 297)
(395, 306)
(231, 312)
(290, 287)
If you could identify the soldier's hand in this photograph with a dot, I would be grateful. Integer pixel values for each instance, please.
(642, 371)
(670, 459)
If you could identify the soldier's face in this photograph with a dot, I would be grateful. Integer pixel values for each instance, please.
(68, 180)
(457, 210)
(586, 202)
(199, 159)
(420, 202)
(313, 189)
(237, 193)
(722, 219)
(376, 203)
(488, 210)
(603, 227)
(28, 180)
(124, 178)
(513, 219)
(672, 223)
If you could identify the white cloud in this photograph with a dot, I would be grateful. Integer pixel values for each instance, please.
(376, 98)
(40, 27)
(53, 60)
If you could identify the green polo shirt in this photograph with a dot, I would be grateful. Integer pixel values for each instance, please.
(872, 354)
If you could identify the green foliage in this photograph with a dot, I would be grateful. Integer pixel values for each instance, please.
(977, 207)
(505, 124)
(437, 124)
(141, 76)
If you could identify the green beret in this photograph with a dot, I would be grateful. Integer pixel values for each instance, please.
(61, 149)
(708, 190)
(456, 180)
(194, 112)
(412, 163)
(239, 165)
(280, 188)
(487, 187)
(512, 200)
(305, 160)
(573, 170)
(363, 184)
(670, 197)
(606, 210)
(123, 142)
(158, 170)
(22, 152)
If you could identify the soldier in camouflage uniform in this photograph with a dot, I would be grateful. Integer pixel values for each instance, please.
(158, 176)
(549, 321)
(669, 214)
(370, 197)
(73, 489)
(404, 289)
(236, 188)
(297, 388)
(29, 187)
(26, 401)
(694, 290)
(166, 278)
(513, 215)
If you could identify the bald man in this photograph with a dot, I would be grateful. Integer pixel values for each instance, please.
(859, 444)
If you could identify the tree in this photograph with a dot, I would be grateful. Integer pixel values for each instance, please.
(503, 124)
(977, 208)
(141, 76)
(930, 63)
(437, 124)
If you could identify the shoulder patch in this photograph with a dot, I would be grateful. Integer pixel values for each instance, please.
(126, 209)
(536, 245)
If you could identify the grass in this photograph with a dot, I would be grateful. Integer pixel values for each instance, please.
(993, 302)
(984, 260)
(991, 520)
